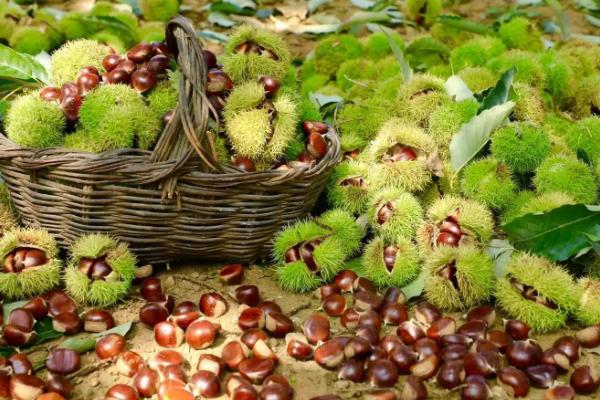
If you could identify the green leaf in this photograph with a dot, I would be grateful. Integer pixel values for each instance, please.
(99, 22)
(465, 24)
(500, 250)
(135, 6)
(458, 89)
(220, 19)
(3, 108)
(122, 330)
(45, 331)
(588, 38)
(240, 7)
(562, 18)
(475, 134)
(416, 287)
(407, 72)
(322, 100)
(213, 36)
(7, 351)
(427, 45)
(313, 5)
(88, 343)
(590, 5)
(15, 66)
(364, 4)
(593, 20)
(8, 307)
(558, 234)
(499, 94)
(364, 17)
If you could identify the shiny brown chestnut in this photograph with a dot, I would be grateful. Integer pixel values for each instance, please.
(151, 289)
(394, 313)
(560, 392)
(334, 305)
(382, 373)
(26, 387)
(213, 304)
(143, 80)
(120, 391)
(278, 324)
(129, 362)
(153, 313)
(404, 358)
(514, 382)
(426, 313)
(357, 347)
(211, 363)
(569, 346)
(140, 53)
(324, 291)
(20, 363)
(205, 384)
(518, 330)
(38, 307)
(146, 381)
(484, 363)
(394, 295)
(523, 353)
(59, 384)
(352, 370)
(98, 321)
(233, 353)
(589, 337)
(350, 318)
(451, 374)
(500, 339)
(474, 329)
(585, 380)
(251, 336)
(256, 369)
(111, 61)
(426, 347)
(51, 93)
(410, 332)
(298, 347)
(414, 389)
(232, 274)
(483, 313)
(329, 355)
(201, 334)
(425, 368)
(247, 294)
(63, 361)
(556, 358)
(441, 327)
(345, 280)
(453, 352)
(316, 328)
(541, 376)
(110, 346)
(22, 319)
(475, 388)
(168, 334)
(252, 318)
(67, 322)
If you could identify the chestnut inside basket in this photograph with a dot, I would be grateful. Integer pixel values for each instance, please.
(173, 203)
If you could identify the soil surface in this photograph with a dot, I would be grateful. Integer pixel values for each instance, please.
(188, 282)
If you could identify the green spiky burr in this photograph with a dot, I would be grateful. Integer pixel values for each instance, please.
(522, 147)
(390, 263)
(31, 263)
(35, 123)
(478, 79)
(159, 10)
(164, 97)
(446, 121)
(560, 79)
(393, 213)
(309, 253)
(476, 52)
(584, 135)
(423, 11)
(72, 56)
(100, 270)
(419, 97)
(401, 156)
(344, 226)
(348, 187)
(474, 220)
(458, 278)
(529, 104)
(490, 182)
(587, 99)
(377, 44)
(251, 53)
(581, 57)
(521, 33)
(528, 68)
(450, 35)
(251, 130)
(537, 292)
(588, 308)
(332, 51)
(364, 118)
(566, 174)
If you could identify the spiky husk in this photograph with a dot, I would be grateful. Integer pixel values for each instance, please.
(251, 131)
(360, 77)
(73, 27)
(343, 225)
(333, 51)
(441, 71)
(521, 33)
(478, 79)
(513, 210)
(377, 45)
(33, 122)
(363, 119)
(474, 218)
(407, 215)
(522, 147)
(153, 31)
(100, 293)
(561, 173)
(419, 97)
(350, 142)
(351, 198)
(528, 68)
(489, 182)
(249, 67)
(586, 97)
(476, 52)
(29, 39)
(72, 56)
(474, 277)
(163, 98)
(116, 116)
(313, 83)
(581, 57)
(112, 39)
(447, 120)
(406, 268)
(412, 175)
(584, 135)
(538, 204)
(529, 105)
(34, 280)
(296, 277)
(159, 10)
(560, 80)
(549, 280)
(450, 35)
(308, 110)
(588, 309)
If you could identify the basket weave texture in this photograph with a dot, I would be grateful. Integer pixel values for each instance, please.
(173, 203)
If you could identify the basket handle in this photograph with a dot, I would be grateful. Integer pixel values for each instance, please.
(186, 134)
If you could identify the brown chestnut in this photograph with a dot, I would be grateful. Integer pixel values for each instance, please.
(560, 392)
(168, 334)
(153, 313)
(110, 346)
(143, 80)
(232, 274)
(334, 305)
(38, 307)
(298, 347)
(63, 361)
(213, 304)
(20, 364)
(426, 313)
(146, 381)
(414, 389)
(441, 327)
(541, 376)
(256, 369)
(514, 382)
(352, 370)
(569, 346)
(345, 280)
(382, 373)
(278, 324)
(252, 318)
(451, 374)
(394, 313)
(585, 379)
(247, 294)
(425, 368)
(140, 53)
(233, 353)
(151, 289)
(98, 321)
(518, 330)
(316, 328)
(205, 384)
(410, 332)
(26, 387)
(330, 354)
(350, 318)
(589, 337)
(129, 363)
(67, 322)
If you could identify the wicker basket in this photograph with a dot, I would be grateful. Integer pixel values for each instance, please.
(173, 203)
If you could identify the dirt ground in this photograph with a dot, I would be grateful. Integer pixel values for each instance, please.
(188, 282)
